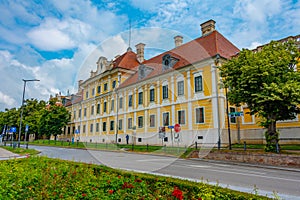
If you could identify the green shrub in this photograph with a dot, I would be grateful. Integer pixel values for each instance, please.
(45, 178)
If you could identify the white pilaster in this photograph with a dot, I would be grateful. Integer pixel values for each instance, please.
(190, 110)
(214, 96)
(158, 103)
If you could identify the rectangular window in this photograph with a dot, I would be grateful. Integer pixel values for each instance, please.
(152, 95)
(78, 129)
(180, 88)
(199, 115)
(130, 100)
(74, 115)
(87, 94)
(98, 108)
(165, 91)
(140, 98)
(91, 128)
(84, 112)
(104, 106)
(129, 123)
(92, 110)
(112, 106)
(112, 125)
(93, 92)
(121, 102)
(97, 127)
(232, 119)
(99, 89)
(120, 124)
(198, 83)
(152, 120)
(105, 86)
(140, 122)
(166, 119)
(113, 84)
(104, 126)
(79, 113)
(181, 117)
(84, 127)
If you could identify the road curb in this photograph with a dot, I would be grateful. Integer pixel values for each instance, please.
(248, 164)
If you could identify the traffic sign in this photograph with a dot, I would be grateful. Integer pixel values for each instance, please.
(162, 129)
(177, 128)
(13, 129)
(170, 127)
(236, 114)
(162, 132)
(26, 128)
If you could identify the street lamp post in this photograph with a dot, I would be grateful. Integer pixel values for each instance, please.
(22, 107)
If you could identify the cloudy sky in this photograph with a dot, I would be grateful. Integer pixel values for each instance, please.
(59, 41)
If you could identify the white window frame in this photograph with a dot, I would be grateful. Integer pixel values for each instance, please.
(153, 120)
(203, 115)
(184, 117)
(168, 118)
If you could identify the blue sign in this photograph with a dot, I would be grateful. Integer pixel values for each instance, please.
(13, 129)
(235, 114)
(77, 131)
(170, 126)
(26, 128)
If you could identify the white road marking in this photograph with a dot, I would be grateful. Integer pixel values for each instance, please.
(155, 159)
(249, 173)
(198, 166)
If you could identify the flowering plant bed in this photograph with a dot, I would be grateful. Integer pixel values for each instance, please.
(45, 178)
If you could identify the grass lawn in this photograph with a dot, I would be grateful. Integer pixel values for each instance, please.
(44, 178)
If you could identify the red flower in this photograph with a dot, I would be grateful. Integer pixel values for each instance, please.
(137, 180)
(84, 195)
(93, 188)
(127, 185)
(110, 191)
(177, 193)
(119, 176)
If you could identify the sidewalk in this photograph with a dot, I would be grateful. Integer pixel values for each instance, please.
(5, 154)
(248, 164)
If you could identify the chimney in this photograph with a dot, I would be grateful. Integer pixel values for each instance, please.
(140, 52)
(79, 85)
(207, 27)
(178, 40)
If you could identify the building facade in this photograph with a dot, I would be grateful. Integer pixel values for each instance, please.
(144, 99)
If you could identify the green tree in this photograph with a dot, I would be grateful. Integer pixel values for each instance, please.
(32, 113)
(267, 82)
(53, 118)
(10, 118)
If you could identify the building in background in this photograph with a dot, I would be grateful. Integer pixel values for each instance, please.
(134, 96)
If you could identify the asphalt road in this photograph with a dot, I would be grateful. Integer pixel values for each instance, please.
(265, 181)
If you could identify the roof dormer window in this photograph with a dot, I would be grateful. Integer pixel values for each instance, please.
(168, 62)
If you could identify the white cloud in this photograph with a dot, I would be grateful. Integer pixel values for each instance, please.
(50, 40)
(257, 11)
(254, 45)
(146, 5)
(7, 100)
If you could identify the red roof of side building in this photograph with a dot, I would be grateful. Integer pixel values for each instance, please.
(127, 60)
(194, 51)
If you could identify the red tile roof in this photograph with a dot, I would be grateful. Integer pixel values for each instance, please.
(127, 61)
(194, 51)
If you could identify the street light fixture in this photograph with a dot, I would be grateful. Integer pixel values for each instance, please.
(20, 127)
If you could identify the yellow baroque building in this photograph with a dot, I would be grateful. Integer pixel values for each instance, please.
(137, 97)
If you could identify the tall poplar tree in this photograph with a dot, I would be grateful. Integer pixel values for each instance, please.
(268, 82)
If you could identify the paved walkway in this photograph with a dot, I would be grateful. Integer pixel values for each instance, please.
(5, 154)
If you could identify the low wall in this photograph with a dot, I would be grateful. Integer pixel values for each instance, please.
(253, 158)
